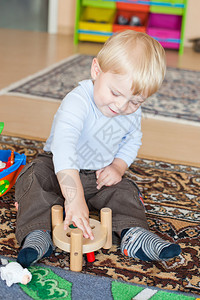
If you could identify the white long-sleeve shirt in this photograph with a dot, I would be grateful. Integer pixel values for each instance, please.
(83, 138)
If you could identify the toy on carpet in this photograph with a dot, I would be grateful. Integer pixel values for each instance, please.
(11, 163)
(72, 240)
(13, 272)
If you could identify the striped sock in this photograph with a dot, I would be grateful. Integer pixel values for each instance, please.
(37, 244)
(140, 243)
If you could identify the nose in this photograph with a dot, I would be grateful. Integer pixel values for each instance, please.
(121, 105)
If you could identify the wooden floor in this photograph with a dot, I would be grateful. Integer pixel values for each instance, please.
(23, 53)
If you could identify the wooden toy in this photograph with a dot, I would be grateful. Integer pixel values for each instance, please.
(72, 239)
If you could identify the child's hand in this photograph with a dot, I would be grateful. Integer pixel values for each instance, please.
(108, 176)
(111, 174)
(78, 213)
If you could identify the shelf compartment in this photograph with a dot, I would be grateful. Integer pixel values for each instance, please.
(166, 29)
(131, 6)
(129, 10)
(96, 24)
(175, 7)
(128, 14)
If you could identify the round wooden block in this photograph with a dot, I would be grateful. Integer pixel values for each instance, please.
(61, 238)
(57, 215)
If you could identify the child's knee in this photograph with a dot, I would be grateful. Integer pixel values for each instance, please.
(24, 181)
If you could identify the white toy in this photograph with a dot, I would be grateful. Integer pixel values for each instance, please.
(2, 165)
(14, 273)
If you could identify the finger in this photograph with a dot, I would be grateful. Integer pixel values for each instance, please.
(98, 172)
(80, 225)
(102, 177)
(111, 182)
(89, 229)
(67, 221)
(99, 186)
(103, 181)
(74, 224)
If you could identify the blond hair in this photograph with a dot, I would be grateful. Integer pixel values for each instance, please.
(136, 54)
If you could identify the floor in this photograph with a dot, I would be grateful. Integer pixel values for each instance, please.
(23, 53)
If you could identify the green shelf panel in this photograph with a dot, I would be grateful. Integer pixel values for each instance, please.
(99, 3)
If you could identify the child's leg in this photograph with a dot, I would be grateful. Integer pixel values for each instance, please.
(36, 191)
(130, 219)
(37, 244)
(140, 243)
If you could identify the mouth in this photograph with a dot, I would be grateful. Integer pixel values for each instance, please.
(114, 112)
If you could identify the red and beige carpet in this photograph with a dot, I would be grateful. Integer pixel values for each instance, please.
(172, 201)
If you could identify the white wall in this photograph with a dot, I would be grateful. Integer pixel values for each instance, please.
(66, 16)
(192, 29)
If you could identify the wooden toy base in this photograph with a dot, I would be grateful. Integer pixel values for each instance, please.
(71, 240)
(61, 238)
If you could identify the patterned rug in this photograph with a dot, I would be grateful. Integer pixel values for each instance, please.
(51, 283)
(177, 100)
(172, 198)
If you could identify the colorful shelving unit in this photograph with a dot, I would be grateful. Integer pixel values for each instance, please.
(97, 20)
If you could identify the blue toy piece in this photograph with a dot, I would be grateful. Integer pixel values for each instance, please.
(9, 175)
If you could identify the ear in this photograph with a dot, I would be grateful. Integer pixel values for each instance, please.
(95, 69)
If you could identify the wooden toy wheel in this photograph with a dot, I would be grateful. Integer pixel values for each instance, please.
(71, 240)
(61, 238)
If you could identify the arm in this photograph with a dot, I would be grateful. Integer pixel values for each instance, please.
(126, 154)
(76, 209)
(66, 130)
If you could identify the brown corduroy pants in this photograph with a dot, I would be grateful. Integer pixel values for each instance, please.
(37, 190)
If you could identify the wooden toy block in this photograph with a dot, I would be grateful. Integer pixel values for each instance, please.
(72, 240)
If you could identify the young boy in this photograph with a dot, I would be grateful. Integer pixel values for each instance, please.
(95, 136)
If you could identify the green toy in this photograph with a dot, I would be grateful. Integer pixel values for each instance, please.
(1, 126)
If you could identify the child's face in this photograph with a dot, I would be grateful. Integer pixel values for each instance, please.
(113, 95)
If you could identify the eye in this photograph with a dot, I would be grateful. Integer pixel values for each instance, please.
(134, 103)
(114, 93)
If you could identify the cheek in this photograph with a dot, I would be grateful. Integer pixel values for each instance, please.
(98, 99)
(101, 97)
